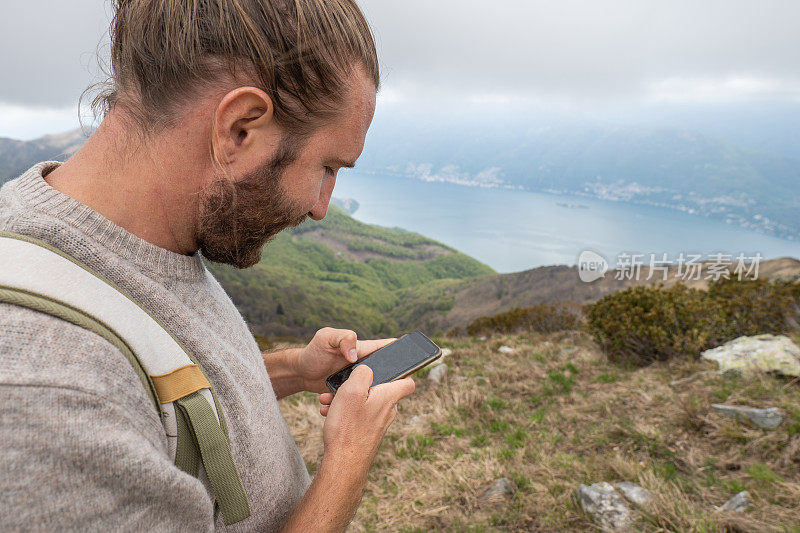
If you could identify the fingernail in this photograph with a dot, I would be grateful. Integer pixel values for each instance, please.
(353, 354)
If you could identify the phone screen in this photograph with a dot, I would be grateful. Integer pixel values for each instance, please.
(393, 360)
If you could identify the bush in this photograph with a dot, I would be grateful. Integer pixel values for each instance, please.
(543, 318)
(645, 324)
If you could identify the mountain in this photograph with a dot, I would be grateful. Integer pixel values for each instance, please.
(343, 273)
(18, 156)
(674, 168)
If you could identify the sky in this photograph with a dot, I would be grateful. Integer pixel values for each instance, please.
(581, 53)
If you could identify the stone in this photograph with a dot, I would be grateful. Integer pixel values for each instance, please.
(505, 349)
(738, 503)
(498, 490)
(634, 493)
(605, 506)
(446, 352)
(768, 418)
(770, 353)
(438, 373)
(482, 338)
(415, 420)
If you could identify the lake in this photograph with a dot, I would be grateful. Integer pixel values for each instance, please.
(513, 230)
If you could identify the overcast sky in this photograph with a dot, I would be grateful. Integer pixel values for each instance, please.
(577, 51)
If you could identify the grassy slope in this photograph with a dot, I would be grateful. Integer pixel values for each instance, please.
(343, 273)
(489, 295)
(556, 414)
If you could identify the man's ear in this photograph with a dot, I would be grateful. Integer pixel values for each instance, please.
(244, 127)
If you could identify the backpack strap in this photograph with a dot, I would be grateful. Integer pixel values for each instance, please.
(38, 276)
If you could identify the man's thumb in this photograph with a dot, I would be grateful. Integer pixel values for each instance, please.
(360, 378)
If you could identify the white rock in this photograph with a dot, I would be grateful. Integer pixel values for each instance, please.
(438, 373)
(633, 493)
(498, 490)
(740, 502)
(605, 505)
(768, 418)
(446, 352)
(505, 349)
(770, 353)
(415, 420)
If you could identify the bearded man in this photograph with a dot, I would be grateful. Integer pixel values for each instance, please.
(225, 122)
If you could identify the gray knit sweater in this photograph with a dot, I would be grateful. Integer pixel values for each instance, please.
(81, 447)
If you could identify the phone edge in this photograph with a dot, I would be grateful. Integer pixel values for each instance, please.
(407, 373)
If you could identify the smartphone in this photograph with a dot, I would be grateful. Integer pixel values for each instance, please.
(396, 360)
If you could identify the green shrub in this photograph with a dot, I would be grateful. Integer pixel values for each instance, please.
(644, 324)
(543, 318)
(757, 306)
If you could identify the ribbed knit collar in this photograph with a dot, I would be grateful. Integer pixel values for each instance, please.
(39, 195)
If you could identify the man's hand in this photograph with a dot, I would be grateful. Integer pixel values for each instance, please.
(331, 350)
(358, 417)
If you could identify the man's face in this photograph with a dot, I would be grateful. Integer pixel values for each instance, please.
(238, 215)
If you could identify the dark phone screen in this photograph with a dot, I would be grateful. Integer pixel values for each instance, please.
(392, 360)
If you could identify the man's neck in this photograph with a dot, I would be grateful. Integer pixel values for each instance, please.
(145, 190)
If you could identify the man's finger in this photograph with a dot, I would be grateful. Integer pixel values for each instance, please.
(359, 381)
(323, 410)
(394, 391)
(366, 347)
(326, 398)
(345, 340)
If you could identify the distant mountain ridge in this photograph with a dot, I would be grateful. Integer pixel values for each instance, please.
(18, 156)
(672, 168)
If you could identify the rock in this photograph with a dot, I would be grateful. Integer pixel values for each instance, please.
(446, 352)
(769, 418)
(770, 353)
(634, 493)
(605, 505)
(738, 503)
(438, 373)
(415, 420)
(498, 490)
(505, 349)
(482, 338)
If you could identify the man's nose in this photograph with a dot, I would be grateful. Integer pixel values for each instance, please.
(319, 210)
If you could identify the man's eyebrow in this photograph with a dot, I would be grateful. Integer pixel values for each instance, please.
(342, 163)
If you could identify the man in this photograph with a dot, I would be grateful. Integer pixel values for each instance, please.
(226, 122)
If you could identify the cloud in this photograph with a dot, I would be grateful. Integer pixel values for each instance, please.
(478, 51)
(27, 122)
(731, 89)
(585, 50)
(50, 50)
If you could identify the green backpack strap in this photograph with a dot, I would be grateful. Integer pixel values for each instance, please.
(37, 276)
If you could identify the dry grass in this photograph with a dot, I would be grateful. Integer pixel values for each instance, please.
(556, 414)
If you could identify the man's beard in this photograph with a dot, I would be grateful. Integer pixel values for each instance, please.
(237, 218)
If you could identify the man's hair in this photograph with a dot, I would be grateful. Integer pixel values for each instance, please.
(300, 52)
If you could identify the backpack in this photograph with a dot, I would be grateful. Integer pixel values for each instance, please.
(38, 276)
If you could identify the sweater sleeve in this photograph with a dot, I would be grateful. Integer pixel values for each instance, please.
(81, 445)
